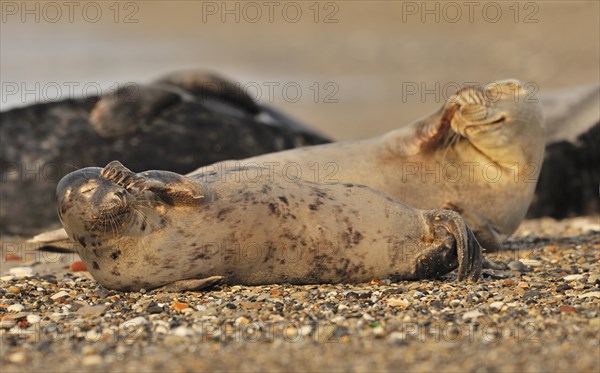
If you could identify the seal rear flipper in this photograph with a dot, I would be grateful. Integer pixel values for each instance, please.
(191, 284)
(487, 235)
(56, 241)
(465, 252)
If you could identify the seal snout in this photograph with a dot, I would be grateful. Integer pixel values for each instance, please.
(110, 205)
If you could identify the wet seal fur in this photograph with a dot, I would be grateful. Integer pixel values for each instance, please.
(159, 229)
(448, 160)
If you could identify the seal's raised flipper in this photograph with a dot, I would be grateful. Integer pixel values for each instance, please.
(423, 135)
(130, 108)
(464, 252)
(191, 284)
(206, 87)
(171, 187)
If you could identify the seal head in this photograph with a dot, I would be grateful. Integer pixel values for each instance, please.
(113, 202)
(498, 119)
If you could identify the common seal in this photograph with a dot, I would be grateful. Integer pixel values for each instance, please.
(161, 229)
(177, 123)
(479, 155)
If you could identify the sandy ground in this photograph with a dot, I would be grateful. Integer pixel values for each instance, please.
(538, 314)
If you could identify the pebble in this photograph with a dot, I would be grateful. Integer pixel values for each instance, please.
(472, 315)
(241, 320)
(531, 262)
(397, 337)
(179, 306)
(7, 278)
(399, 303)
(132, 323)
(593, 294)
(181, 331)
(378, 331)
(508, 282)
(7, 323)
(573, 277)
(91, 360)
(567, 309)
(17, 357)
(497, 305)
(21, 272)
(60, 294)
(15, 308)
(78, 266)
(33, 319)
(594, 279)
(517, 265)
(89, 311)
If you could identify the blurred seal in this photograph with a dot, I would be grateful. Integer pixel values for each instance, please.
(177, 123)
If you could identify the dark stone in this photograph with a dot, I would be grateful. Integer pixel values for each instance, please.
(351, 295)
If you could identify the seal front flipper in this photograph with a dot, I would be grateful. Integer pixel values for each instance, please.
(191, 284)
(456, 247)
(204, 87)
(171, 187)
(423, 135)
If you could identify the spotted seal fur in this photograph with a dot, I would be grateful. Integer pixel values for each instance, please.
(159, 229)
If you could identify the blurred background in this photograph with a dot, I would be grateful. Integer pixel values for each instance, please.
(351, 69)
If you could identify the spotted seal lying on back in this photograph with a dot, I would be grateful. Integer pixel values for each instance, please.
(178, 123)
(161, 229)
(479, 155)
